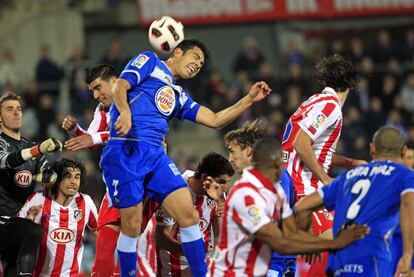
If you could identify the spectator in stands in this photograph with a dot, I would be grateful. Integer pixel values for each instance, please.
(48, 73)
(115, 55)
(357, 50)
(249, 57)
(10, 75)
(383, 50)
(407, 92)
(376, 117)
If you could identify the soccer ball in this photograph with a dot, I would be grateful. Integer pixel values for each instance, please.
(165, 34)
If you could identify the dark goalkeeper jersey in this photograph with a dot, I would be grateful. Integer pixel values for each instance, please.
(16, 175)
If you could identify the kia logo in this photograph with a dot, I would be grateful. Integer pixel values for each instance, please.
(62, 235)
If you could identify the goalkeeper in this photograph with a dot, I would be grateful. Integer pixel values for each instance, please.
(21, 163)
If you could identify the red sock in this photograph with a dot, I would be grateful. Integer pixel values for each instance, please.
(104, 265)
(317, 269)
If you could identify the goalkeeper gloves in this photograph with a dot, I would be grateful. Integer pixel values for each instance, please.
(47, 176)
(48, 146)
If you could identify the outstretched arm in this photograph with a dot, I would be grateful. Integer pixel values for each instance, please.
(207, 117)
(339, 160)
(304, 209)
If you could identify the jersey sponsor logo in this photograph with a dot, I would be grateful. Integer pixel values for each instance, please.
(203, 224)
(254, 213)
(165, 100)
(319, 121)
(23, 178)
(77, 215)
(174, 169)
(62, 235)
(140, 61)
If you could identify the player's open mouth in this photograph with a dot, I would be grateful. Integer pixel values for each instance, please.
(191, 69)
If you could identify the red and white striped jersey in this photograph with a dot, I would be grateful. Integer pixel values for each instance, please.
(99, 127)
(61, 249)
(321, 118)
(253, 202)
(175, 265)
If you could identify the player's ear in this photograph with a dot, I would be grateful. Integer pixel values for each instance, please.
(178, 52)
(372, 149)
(112, 80)
(249, 151)
(404, 151)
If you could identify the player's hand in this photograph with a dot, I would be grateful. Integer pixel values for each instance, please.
(34, 211)
(47, 176)
(220, 209)
(123, 124)
(259, 91)
(404, 266)
(79, 142)
(50, 145)
(69, 123)
(349, 235)
(212, 188)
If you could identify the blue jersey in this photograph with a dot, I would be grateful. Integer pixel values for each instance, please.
(282, 261)
(154, 99)
(368, 194)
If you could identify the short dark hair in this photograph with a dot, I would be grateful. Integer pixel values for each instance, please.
(213, 165)
(388, 141)
(245, 136)
(265, 150)
(338, 73)
(188, 44)
(60, 167)
(103, 71)
(10, 95)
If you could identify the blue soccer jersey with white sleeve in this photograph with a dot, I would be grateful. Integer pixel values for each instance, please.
(154, 99)
(368, 194)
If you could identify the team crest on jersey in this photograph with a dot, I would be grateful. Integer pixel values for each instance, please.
(203, 224)
(140, 61)
(254, 213)
(165, 100)
(320, 120)
(23, 178)
(77, 215)
(62, 235)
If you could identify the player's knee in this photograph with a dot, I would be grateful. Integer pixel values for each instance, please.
(187, 218)
(131, 226)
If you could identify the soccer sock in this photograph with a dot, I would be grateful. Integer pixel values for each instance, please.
(127, 253)
(103, 265)
(194, 250)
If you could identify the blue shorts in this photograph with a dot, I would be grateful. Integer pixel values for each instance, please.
(397, 250)
(130, 168)
(366, 267)
(282, 267)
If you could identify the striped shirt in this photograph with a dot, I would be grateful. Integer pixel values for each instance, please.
(253, 202)
(61, 249)
(320, 117)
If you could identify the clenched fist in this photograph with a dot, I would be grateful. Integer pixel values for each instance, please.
(69, 123)
(50, 145)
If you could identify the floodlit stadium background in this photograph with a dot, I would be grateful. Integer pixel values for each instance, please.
(273, 40)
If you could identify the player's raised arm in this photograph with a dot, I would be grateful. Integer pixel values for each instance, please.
(257, 92)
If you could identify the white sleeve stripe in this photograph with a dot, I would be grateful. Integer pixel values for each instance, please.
(96, 122)
(407, 191)
(303, 127)
(134, 72)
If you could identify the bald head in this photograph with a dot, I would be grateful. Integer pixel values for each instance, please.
(388, 141)
(265, 152)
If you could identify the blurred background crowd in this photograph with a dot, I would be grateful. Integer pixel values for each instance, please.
(55, 87)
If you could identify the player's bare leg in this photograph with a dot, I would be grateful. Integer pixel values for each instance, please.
(131, 219)
(179, 205)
